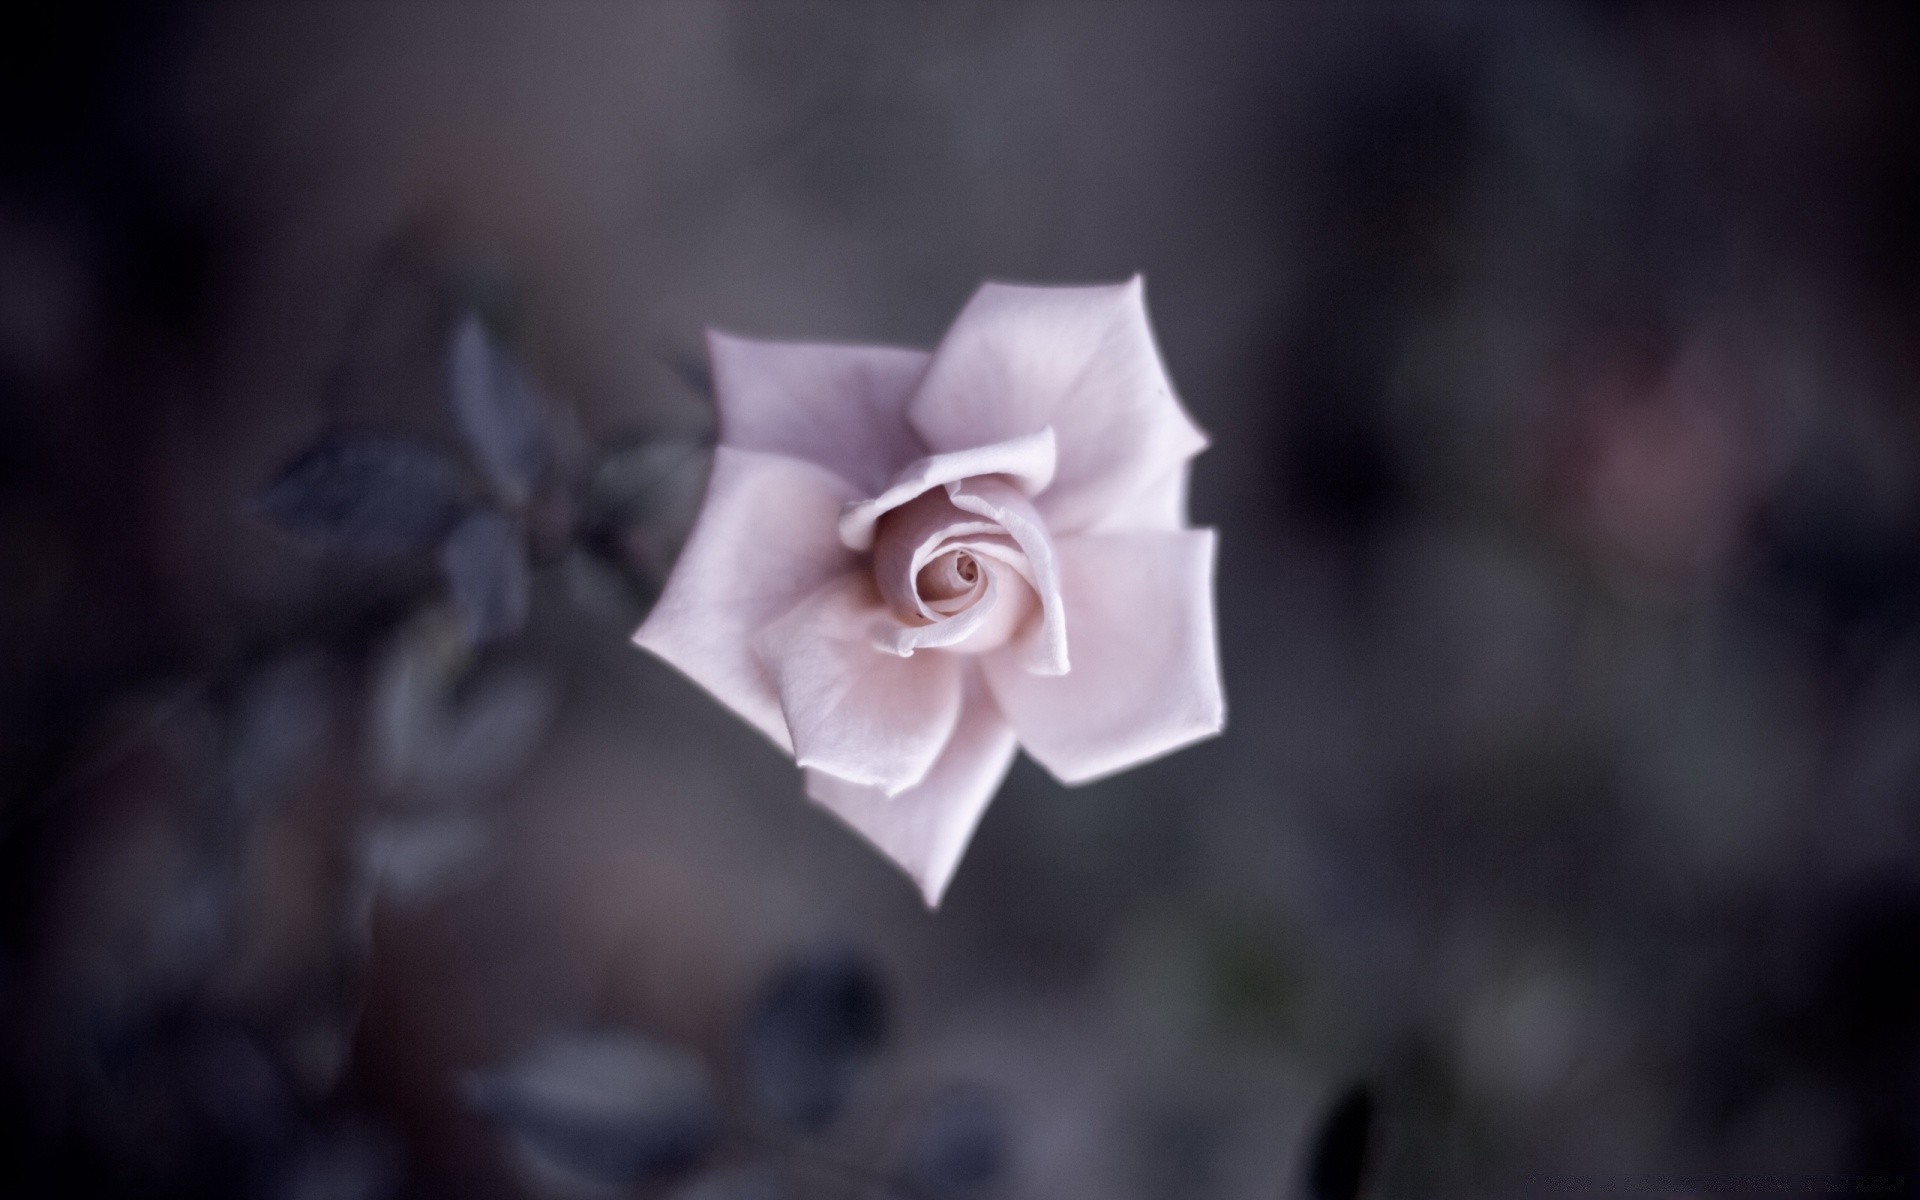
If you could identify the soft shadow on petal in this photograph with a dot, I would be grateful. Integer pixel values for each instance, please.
(925, 829)
(1028, 460)
(1082, 360)
(1146, 669)
(764, 539)
(843, 407)
(1045, 651)
(854, 710)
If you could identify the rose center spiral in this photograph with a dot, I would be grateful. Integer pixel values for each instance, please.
(953, 579)
(949, 580)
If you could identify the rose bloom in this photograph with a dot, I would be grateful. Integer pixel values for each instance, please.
(906, 564)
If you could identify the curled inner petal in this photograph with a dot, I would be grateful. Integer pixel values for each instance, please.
(1044, 648)
(908, 539)
(903, 638)
(1027, 461)
(952, 580)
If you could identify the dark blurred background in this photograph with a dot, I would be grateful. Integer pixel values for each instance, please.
(1561, 366)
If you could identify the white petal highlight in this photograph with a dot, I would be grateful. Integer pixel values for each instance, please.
(925, 829)
(1027, 459)
(1079, 360)
(1146, 667)
(841, 407)
(855, 711)
(764, 539)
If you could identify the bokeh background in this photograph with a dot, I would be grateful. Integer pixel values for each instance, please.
(1561, 368)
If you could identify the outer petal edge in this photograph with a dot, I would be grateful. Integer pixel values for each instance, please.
(1146, 667)
(925, 830)
(764, 538)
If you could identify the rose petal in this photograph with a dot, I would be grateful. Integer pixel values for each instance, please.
(999, 548)
(1080, 360)
(1027, 459)
(1162, 506)
(926, 828)
(950, 580)
(764, 539)
(914, 532)
(1146, 670)
(1005, 603)
(855, 711)
(998, 604)
(1045, 651)
(842, 407)
(903, 639)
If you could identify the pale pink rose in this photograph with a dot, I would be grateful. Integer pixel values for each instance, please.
(907, 563)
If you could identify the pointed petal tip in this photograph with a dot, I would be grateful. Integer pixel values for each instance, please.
(719, 342)
(888, 784)
(650, 634)
(931, 894)
(930, 879)
(928, 876)
(1100, 772)
(1062, 665)
(924, 831)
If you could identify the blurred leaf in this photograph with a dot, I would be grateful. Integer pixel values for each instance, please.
(643, 498)
(413, 859)
(410, 696)
(492, 734)
(499, 411)
(816, 1024)
(374, 493)
(435, 740)
(608, 1106)
(485, 285)
(1337, 1164)
(605, 589)
(485, 562)
(648, 478)
(962, 1146)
